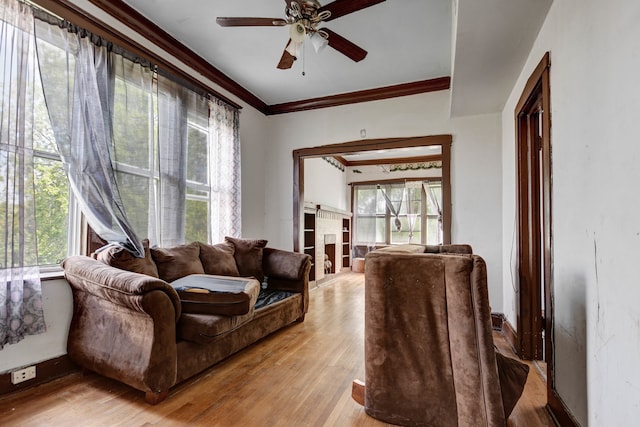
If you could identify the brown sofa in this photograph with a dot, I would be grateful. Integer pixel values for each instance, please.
(129, 323)
(429, 353)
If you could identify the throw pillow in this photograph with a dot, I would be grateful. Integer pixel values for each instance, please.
(218, 259)
(248, 256)
(178, 261)
(119, 257)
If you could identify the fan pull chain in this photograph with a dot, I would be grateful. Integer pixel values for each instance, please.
(304, 47)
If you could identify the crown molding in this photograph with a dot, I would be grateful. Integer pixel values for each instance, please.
(422, 86)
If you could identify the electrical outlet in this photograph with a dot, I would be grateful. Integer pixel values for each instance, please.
(23, 374)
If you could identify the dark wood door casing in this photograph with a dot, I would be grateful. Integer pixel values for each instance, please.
(529, 314)
(539, 84)
(369, 145)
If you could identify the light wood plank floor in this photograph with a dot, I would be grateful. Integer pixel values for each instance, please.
(300, 376)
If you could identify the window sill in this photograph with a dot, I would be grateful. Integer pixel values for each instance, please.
(51, 273)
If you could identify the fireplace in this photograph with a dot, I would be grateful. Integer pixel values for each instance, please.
(330, 253)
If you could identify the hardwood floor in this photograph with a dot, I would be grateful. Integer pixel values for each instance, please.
(300, 376)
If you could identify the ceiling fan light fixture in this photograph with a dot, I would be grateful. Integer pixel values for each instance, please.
(318, 42)
(294, 48)
(297, 32)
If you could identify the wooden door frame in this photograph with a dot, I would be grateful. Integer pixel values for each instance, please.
(540, 80)
(530, 150)
(363, 145)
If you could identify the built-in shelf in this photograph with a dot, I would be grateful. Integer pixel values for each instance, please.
(310, 241)
(346, 242)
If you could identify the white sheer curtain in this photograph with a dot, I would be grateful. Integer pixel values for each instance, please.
(435, 203)
(21, 310)
(173, 106)
(146, 154)
(225, 175)
(393, 196)
(79, 92)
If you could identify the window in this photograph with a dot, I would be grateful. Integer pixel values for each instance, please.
(206, 160)
(198, 179)
(52, 195)
(398, 212)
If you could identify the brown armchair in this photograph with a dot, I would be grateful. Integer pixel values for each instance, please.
(429, 353)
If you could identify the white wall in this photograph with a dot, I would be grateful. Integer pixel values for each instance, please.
(476, 165)
(595, 103)
(254, 144)
(58, 307)
(325, 184)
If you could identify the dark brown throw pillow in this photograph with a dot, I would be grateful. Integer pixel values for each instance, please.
(218, 259)
(512, 375)
(248, 256)
(178, 261)
(119, 257)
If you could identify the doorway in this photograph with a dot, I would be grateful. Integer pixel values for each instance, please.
(534, 339)
(368, 145)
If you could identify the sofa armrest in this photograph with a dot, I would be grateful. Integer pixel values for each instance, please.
(123, 325)
(120, 287)
(286, 265)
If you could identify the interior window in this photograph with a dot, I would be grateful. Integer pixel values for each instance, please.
(395, 213)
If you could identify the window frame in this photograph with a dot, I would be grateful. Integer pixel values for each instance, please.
(424, 215)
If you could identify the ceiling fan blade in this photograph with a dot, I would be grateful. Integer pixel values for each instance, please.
(250, 22)
(287, 59)
(340, 8)
(344, 46)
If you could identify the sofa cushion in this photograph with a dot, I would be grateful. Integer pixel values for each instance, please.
(218, 259)
(178, 261)
(204, 328)
(119, 257)
(207, 294)
(248, 256)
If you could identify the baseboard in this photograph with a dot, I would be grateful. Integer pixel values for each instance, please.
(559, 412)
(45, 371)
(501, 323)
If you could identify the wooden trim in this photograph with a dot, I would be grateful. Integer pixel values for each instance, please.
(368, 145)
(533, 80)
(530, 231)
(45, 371)
(447, 206)
(423, 86)
(150, 31)
(395, 180)
(559, 411)
(393, 161)
(510, 333)
(298, 197)
(540, 79)
(548, 228)
(342, 160)
(499, 322)
(373, 144)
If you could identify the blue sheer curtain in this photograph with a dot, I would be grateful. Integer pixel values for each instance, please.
(21, 310)
(78, 83)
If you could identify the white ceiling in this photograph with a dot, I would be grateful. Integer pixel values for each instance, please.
(407, 41)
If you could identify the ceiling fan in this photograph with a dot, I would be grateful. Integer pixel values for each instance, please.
(304, 17)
